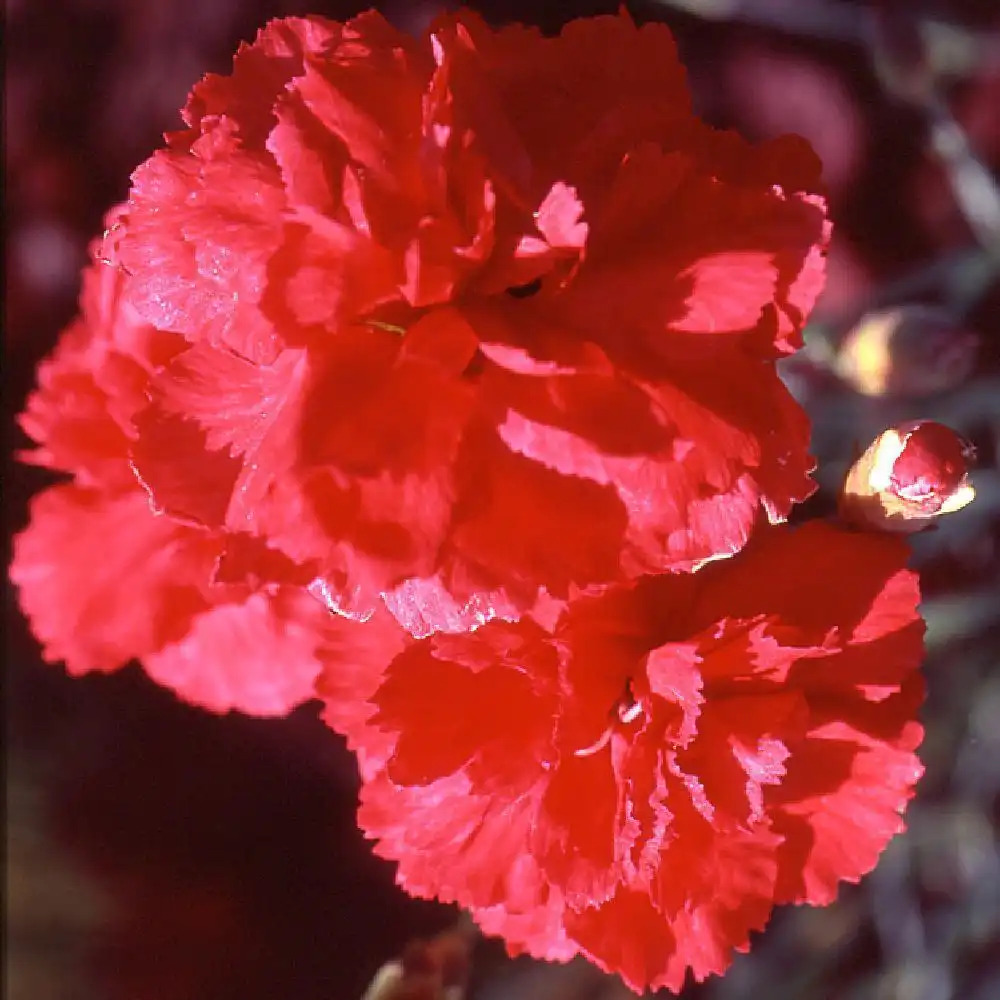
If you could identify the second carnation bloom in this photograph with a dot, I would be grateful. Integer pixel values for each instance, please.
(642, 776)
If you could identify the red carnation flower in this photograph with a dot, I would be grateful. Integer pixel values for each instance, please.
(471, 316)
(642, 775)
(104, 578)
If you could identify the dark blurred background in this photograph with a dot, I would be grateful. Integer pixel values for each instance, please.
(155, 852)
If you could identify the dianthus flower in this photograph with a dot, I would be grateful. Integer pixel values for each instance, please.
(471, 317)
(640, 776)
(104, 579)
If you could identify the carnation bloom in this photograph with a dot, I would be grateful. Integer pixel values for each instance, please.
(471, 316)
(104, 579)
(640, 776)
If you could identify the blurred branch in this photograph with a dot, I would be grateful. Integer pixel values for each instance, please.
(973, 185)
(812, 19)
(901, 57)
(953, 49)
(961, 278)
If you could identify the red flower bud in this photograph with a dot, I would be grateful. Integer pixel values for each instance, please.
(909, 475)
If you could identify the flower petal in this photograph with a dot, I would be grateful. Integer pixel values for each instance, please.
(103, 580)
(258, 656)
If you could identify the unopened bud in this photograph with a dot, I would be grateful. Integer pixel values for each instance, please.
(429, 970)
(909, 475)
(908, 351)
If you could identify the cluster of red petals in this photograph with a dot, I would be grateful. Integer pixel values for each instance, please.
(470, 316)
(642, 775)
(104, 578)
(472, 340)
